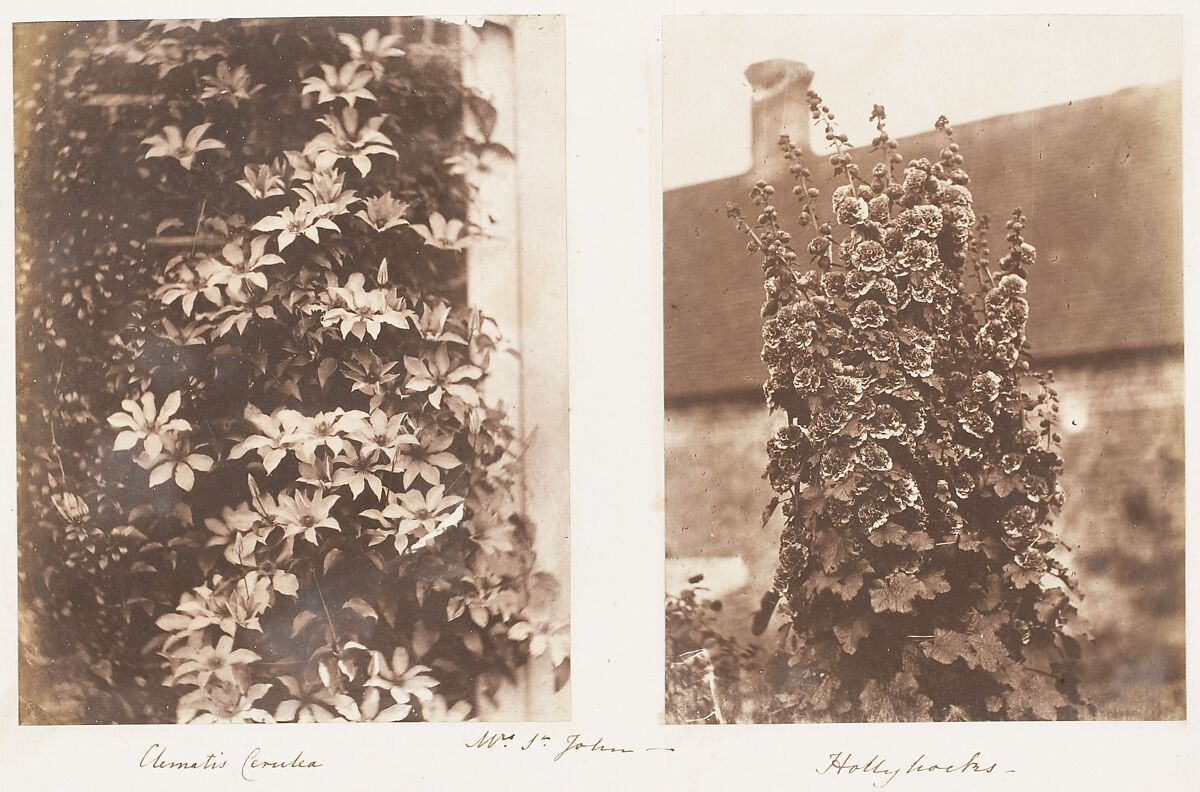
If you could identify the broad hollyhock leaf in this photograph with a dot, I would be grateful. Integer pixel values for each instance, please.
(1035, 696)
(1022, 577)
(895, 593)
(987, 650)
(932, 584)
(833, 548)
(947, 646)
(896, 701)
(851, 632)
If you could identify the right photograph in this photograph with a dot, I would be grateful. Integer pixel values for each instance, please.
(923, 369)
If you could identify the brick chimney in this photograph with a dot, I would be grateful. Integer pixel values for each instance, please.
(779, 107)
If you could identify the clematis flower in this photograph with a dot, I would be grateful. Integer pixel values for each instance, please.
(239, 531)
(312, 702)
(172, 143)
(190, 334)
(383, 212)
(336, 83)
(372, 49)
(382, 433)
(249, 597)
(223, 704)
(362, 312)
(442, 233)
(231, 85)
(301, 515)
(427, 458)
(372, 710)
(301, 166)
(235, 269)
(371, 375)
(191, 283)
(305, 220)
(174, 460)
(433, 324)
(357, 470)
(323, 430)
(71, 507)
(436, 376)
(544, 635)
(400, 677)
(431, 514)
(144, 421)
(209, 662)
(349, 137)
(437, 710)
(273, 440)
(326, 191)
(264, 181)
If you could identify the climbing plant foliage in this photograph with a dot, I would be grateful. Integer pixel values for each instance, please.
(260, 479)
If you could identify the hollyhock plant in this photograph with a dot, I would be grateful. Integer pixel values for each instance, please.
(919, 573)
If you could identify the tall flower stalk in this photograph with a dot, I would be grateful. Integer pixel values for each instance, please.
(919, 573)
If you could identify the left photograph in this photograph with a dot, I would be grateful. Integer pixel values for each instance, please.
(291, 369)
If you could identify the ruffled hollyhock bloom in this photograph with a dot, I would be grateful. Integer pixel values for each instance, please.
(848, 208)
(917, 254)
(977, 423)
(986, 386)
(924, 220)
(836, 463)
(868, 315)
(954, 195)
(914, 178)
(884, 423)
(806, 381)
(917, 362)
(1011, 463)
(882, 345)
(847, 388)
(801, 335)
(1012, 284)
(872, 516)
(857, 284)
(879, 208)
(869, 256)
(874, 457)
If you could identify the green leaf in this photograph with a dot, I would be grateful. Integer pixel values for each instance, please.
(772, 505)
(1036, 695)
(1022, 577)
(987, 650)
(897, 701)
(947, 646)
(302, 620)
(849, 633)
(895, 593)
(833, 548)
(326, 369)
(932, 584)
(361, 607)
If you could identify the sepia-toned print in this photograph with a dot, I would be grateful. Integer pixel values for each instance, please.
(924, 378)
(277, 359)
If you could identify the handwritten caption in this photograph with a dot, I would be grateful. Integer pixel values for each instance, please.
(558, 748)
(253, 766)
(883, 771)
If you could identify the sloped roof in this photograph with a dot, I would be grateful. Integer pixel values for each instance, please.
(1099, 179)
